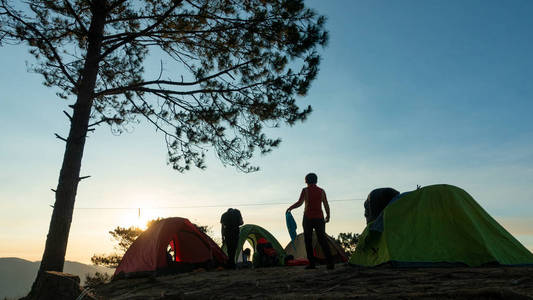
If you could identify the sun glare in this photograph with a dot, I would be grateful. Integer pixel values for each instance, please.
(138, 218)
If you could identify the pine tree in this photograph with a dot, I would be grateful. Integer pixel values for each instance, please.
(228, 69)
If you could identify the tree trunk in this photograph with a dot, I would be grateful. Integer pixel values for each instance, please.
(69, 177)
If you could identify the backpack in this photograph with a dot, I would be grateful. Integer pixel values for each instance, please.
(268, 256)
(376, 202)
(232, 218)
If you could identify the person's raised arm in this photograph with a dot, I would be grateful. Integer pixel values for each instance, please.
(326, 205)
(298, 203)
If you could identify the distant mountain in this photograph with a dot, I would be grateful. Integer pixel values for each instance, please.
(17, 275)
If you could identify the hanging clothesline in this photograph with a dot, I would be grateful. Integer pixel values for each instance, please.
(211, 205)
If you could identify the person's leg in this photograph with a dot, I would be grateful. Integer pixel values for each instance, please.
(308, 238)
(227, 243)
(233, 239)
(320, 227)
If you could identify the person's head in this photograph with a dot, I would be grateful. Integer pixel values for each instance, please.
(247, 251)
(311, 178)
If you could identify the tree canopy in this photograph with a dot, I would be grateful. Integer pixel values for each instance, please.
(227, 68)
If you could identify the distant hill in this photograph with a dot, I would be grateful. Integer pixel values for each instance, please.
(17, 275)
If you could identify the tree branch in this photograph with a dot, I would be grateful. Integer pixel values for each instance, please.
(45, 39)
(116, 4)
(172, 92)
(132, 87)
(158, 33)
(106, 120)
(142, 32)
(68, 116)
(78, 20)
(83, 177)
(152, 121)
(60, 137)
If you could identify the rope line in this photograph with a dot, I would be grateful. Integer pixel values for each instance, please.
(209, 206)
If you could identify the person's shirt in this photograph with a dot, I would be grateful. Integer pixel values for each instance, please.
(313, 197)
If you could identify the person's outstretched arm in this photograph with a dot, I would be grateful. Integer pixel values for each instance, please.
(326, 206)
(298, 203)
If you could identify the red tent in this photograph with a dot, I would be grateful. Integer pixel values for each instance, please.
(189, 245)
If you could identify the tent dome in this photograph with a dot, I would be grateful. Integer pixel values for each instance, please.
(252, 234)
(438, 224)
(296, 248)
(148, 252)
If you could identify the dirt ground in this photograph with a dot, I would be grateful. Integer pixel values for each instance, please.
(345, 282)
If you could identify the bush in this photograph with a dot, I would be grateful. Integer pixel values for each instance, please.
(92, 281)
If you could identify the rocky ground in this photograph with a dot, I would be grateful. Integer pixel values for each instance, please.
(342, 283)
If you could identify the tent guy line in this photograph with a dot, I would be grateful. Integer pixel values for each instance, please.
(217, 205)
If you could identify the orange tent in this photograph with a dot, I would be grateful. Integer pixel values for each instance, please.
(188, 245)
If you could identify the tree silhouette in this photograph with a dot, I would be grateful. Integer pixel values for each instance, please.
(228, 69)
(348, 241)
(124, 237)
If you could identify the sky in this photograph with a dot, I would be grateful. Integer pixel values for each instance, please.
(409, 93)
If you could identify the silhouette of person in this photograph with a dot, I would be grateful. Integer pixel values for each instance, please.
(231, 220)
(314, 197)
(246, 255)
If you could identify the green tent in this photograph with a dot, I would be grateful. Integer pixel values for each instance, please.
(252, 233)
(438, 224)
